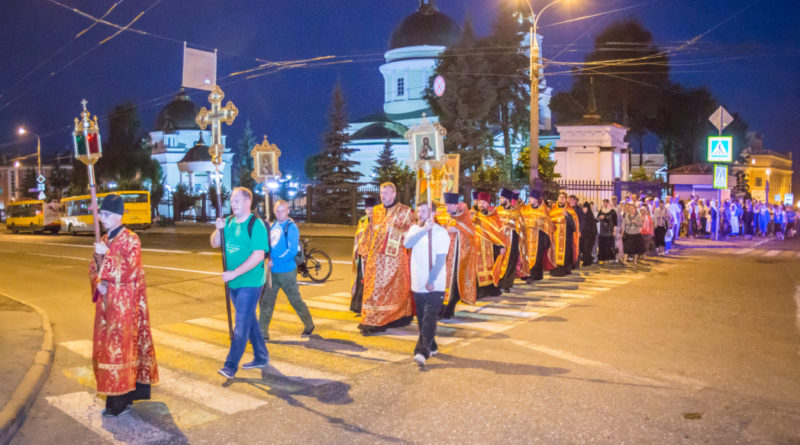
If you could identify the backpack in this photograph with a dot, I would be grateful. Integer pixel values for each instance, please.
(300, 257)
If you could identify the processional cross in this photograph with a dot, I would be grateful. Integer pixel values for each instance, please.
(215, 117)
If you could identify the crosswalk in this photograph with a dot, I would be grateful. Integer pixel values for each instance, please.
(769, 253)
(190, 393)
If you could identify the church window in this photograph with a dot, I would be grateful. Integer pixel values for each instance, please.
(401, 87)
(759, 182)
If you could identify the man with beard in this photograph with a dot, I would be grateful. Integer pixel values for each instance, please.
(357, 286)
(387, 294)
(564, 245)
(461, 272)
(491, 243)
(539, 232)
(511, 223)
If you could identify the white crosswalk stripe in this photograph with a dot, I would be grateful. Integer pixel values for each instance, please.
(128, 428)
(772, 253)
(744, 251)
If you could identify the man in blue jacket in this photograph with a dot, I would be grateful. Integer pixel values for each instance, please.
(284, 240)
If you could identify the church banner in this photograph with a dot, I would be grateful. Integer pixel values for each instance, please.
(199, 68)
(444, 179)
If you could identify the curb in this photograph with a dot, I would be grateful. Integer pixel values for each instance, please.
(16, 410)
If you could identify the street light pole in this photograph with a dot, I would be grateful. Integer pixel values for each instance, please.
(534, 78)
(22, 131)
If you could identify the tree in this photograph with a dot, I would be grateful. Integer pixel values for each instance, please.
(386, 161)
(242, 161)
(78, 179)
(334, 167)
(29, 183)
(640, 174)
(59, 180)
(183, 200)
(126, 153)
(465, 108)
(630, 74)
(507, 63)
(682, 124)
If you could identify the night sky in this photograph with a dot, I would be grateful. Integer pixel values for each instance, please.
(749, 56)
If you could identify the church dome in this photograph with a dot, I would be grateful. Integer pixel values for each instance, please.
(427, 26)
(177, 115)
(198, 153)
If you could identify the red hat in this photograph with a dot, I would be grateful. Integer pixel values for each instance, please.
(485, 196)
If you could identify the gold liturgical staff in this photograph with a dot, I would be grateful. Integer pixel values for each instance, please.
(89, 149)
(215, 117)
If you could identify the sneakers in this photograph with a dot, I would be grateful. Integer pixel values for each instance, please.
(307, 332)
(420, 359)
(227, 373)
(253, 365)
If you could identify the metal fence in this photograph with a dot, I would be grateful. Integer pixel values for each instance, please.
(597, 191)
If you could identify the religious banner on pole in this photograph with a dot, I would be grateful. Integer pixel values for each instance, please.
(265, 168)
(215, 117)
(199, 68)
(444, 179)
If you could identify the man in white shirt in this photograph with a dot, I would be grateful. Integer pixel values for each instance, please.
(677, 217)
(428, 277)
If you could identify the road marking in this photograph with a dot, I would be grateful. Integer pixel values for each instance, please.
(62, 256)
(501, 311)
(342, 294)
(477, 325)
(325, 345)
(204, 272)
(129, 428)
(798, 254)
(144, 249)
(557, 294)
(772, 252)
(165, 251)
(215, 397)
(329, 306)
(277, 368)
(341, 262)
(209, 253)
(788, 253)
(744, 251)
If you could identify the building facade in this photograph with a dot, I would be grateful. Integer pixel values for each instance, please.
(769, 175)
(13, 174)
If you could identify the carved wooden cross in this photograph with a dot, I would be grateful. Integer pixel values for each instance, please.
(215, 117)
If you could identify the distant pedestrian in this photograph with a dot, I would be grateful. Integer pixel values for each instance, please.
(429, 244)
(647, 230)
(123, 355)
(661, 223)
(246, 246)
(632, 241)
(608, 224)
(588, 234)
(284, 240)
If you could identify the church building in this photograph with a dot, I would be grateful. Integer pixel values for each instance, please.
(180, 147)
(414, 48)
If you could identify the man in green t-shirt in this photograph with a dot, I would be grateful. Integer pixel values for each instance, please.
(246, 244)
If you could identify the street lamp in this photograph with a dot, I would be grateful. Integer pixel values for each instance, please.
(21, 131)
(534, 76)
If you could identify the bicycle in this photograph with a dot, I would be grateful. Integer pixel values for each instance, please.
(316, 265)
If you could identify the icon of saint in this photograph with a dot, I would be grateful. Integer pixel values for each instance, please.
(426, 153)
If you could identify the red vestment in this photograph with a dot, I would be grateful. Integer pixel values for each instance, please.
(123, 352)
(464, 242)
(387, 278)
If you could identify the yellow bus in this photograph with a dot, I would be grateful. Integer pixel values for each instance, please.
(77, 211)
(34, 216)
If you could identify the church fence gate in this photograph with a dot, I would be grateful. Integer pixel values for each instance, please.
(597, 191)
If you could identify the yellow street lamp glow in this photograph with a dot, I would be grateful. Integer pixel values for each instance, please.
(768, 172)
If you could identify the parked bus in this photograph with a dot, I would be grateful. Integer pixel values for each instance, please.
(77, 211)
(34, 216)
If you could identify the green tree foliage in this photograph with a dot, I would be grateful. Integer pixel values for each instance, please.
(465, 108)
(183, 200)
(388, 169)
(311, 167)
(28, 183)
(682, 124)
(242, 161)
(59, 181)
(639, 174)
(335, 169)
(508, 63)
(78, 179)
(487, 178)
(226, 195)
(126, 152)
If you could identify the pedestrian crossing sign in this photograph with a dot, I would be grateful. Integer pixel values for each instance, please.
(720, 149)
(720, 177)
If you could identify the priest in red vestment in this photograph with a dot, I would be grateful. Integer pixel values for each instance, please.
(462, 274)
(123, 355)
(387, 300)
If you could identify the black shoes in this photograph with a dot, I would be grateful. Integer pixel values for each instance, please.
(307, 332)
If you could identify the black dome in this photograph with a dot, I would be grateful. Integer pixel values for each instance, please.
(198, 153)
(178, 115)
(427, 26)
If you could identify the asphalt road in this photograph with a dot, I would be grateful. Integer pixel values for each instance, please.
(702, 347)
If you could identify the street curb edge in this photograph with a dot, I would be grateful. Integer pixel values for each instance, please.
(16, 410)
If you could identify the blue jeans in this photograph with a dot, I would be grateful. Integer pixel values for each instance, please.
(245, 300)
(429, 305)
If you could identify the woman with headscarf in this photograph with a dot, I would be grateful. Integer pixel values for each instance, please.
(632, 242)
(607, 218)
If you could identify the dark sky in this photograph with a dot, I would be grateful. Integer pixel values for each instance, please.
(749, 55)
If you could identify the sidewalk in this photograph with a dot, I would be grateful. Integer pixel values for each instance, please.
(306, 229)
(26, 346)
